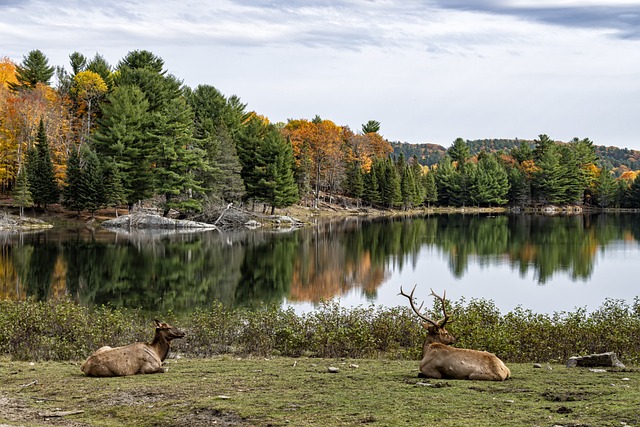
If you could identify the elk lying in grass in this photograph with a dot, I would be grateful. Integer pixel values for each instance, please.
(439, 360)
(138, 358)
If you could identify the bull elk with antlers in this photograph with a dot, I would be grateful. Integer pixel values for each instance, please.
(440, 360)
(137, 358)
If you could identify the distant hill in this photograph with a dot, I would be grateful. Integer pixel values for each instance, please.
(618, 159)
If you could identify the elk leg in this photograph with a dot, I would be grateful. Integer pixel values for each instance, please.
(151, 368)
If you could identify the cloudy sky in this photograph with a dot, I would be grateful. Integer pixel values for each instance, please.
(428, 71)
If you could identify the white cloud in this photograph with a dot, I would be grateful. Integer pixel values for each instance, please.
(428, 73)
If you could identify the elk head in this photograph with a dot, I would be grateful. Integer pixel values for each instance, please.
(436, 332)
(167, 331)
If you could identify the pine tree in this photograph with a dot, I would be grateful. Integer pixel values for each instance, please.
(21, 193)
(92, 191)
(371, 188)
(175, 157)
(459, 151)
(431, 190)
(448, 182)
(389, 184)
(114, 193)
(354, 182)
(34, 69)
(605, 195)
(120, 139)
(285, 191)
(71, 198)
(407, 187)
(42, 180)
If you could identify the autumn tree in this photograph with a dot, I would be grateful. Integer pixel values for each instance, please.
(88, 88)
(322, 141)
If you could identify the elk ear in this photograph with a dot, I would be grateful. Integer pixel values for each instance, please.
(429, 327)
(158, 323)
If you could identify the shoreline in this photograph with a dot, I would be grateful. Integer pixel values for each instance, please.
(57, 216)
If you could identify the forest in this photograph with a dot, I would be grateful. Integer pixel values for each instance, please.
(105, 136)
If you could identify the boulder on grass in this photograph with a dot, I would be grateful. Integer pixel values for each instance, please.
(601, 359)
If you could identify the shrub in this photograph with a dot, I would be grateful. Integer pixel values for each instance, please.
(64, 330)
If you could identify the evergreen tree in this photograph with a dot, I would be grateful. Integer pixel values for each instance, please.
(175, 157)
(464, 180)
(371, 188)
(389, 184)
(408, 189)
(21, 193)
(249, 153)
(114, 192)
(42, 181)
(371, 126)
(459, 152)
(605, 195)
(121, 139)
(34, 69)
(633, 194)
(420, 181)
(93, 190)
(78, 63)
(547, 183)
(431, 190)
(217, 122)
(447, 181)
(354, 184)
(71, 192)
(522, 152)
(492, 183)
(542, 145)
(285, 191)
(573, 182)
(519, 187)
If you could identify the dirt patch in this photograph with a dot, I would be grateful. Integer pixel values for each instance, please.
(207, 417)
(568, 396)
(17, 411)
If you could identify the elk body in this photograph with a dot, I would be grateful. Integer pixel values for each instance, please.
(137, 358)
(440, 360)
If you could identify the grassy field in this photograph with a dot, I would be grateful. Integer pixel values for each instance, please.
(229, 391)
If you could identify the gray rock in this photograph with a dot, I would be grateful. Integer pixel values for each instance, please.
(600, 359)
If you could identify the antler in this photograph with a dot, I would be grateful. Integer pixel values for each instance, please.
(443, 299)
(417, 310)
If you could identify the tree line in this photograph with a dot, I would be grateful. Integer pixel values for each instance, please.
(107, 136)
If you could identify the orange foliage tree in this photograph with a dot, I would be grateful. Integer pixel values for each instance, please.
(317, 147)
(20, 113)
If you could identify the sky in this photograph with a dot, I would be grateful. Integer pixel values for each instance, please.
(428, 71)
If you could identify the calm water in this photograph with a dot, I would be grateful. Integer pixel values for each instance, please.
(542, 263)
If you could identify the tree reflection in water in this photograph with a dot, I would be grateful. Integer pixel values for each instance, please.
(161, 272)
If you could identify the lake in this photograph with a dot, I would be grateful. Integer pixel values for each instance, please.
(542, 263)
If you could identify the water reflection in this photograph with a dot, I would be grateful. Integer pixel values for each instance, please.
(182, 271)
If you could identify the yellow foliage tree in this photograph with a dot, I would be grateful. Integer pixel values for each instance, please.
(88, 88)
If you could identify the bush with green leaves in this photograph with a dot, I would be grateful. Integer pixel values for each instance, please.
(64, 330)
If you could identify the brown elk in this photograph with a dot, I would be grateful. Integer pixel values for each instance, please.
(137, 358)
(440, 360)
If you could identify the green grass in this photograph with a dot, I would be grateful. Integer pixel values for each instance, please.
(301, 392)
